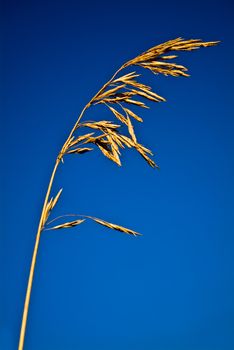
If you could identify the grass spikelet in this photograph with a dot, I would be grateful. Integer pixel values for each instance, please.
(47, 211)
(137, 103)
(108, 153)
(80, 138)
(116, 227)
(54, 202)
(102, 124)
(109, 92)
(127, 141)
(80, 150)
(132, 114)
(131, 130)
(151, 96)
(118, 115)
(125, 78)
(147, 158)
(67, 224)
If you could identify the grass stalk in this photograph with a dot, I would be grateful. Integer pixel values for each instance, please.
(120, 92)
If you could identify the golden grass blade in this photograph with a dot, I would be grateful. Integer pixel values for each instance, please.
(94, 139)
(128, 111)
(126, 140)
(148, 96)
(115, 227)
(147, 158)
(118, 115)
(137, 103)
(116, 139)
(109, 154)
(144, 149)
(108, 125)
(126, 77)
(67, 224)
(80, 138)
(160, 98)
(117, 98)
(109, 92)
(172, 72)
(138, 85)
(80, 150)
(102, 124)
(103, 142)
(54, 202)
(46, 212)
(49, 205)
(116, 155)
(166, 65)
(112, 143)
(169, 57)
(131, 130)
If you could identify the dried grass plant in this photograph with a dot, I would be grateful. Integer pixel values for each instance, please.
(118, 95)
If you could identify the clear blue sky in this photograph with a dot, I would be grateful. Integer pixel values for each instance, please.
(172, 288)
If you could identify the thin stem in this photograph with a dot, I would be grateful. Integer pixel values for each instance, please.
(40, 226)
(60, 217)
(33, 263)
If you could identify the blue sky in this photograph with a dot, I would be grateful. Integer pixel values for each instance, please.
(94, 288)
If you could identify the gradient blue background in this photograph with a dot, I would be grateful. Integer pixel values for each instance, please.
(95, 288)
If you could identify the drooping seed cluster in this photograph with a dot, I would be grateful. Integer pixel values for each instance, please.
(121, 93)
